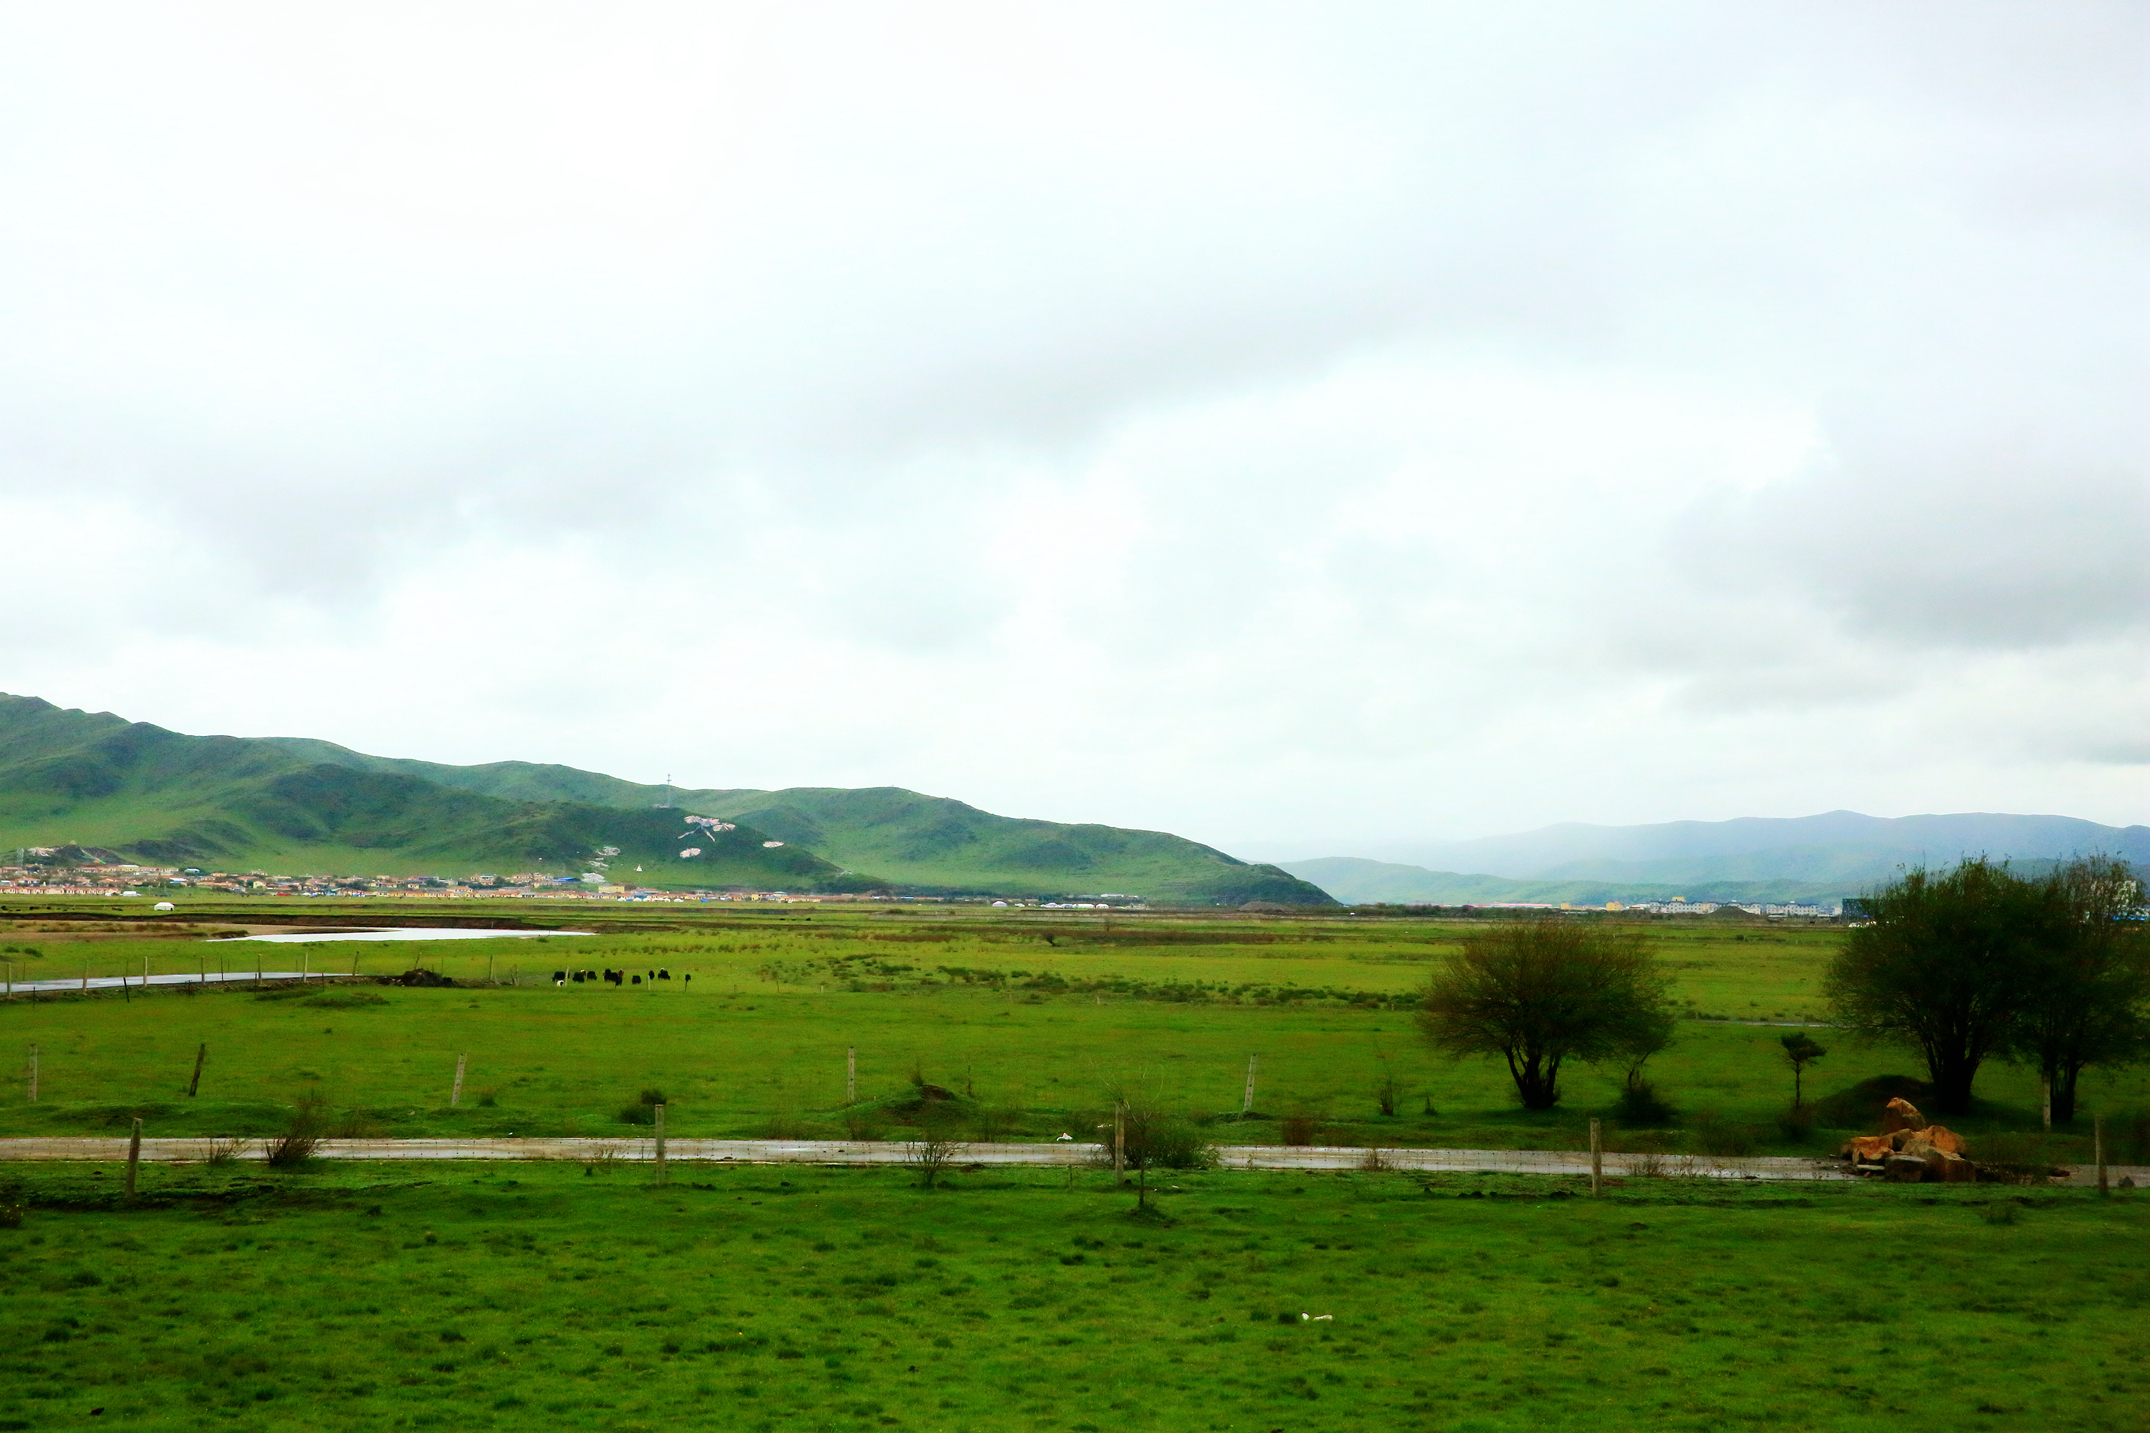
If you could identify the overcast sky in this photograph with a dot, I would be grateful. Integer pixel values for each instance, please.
(1300, 427)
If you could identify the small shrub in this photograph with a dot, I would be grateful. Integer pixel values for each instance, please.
(2009, 1158)
(863, 1125)
(345, 1000)
(1641, 1105)
(2131, 1138)
(1797, 1124)
(488, 1099)
(225, 1151)
(300, 1140)
(1300, 1129)
(1717, 1136)
(1647, 1160)
(638, 1114)
(11, 1205)
(2000, 1211)
(1389, 1092)
(653, 1097)
(932, 1148)
(990, 1125)
(784, 1124)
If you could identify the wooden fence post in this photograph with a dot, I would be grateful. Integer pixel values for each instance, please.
(2097, 1149)
(851, 1075)
(199, 1056)
(659, 1113)
(2045, 1100)
(1246, 1103)
(1119, 1143)
(134, 1155)
(33, 1074)
(455, 1096)
(1597, 1162)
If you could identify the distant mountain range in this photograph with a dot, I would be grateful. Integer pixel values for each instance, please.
(1825, 857)
(294, 805)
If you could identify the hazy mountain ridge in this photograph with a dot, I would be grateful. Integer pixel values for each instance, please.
(1750, 859)
(1934, 839)
(299, 804)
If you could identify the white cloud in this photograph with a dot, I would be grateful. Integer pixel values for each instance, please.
(1416, 422)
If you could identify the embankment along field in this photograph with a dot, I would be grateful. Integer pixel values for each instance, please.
(548, 1295)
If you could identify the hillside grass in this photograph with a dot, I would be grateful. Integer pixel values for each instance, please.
(1034, 1017)
(765, 1299)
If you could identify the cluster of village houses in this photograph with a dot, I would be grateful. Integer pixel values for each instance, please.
(123, 879)
(36, 876)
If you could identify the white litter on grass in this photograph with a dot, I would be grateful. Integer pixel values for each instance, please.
(772, 845)
(1067, 1136)
(1314, 1318)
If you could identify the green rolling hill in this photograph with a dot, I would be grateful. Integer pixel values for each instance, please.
(293, 805)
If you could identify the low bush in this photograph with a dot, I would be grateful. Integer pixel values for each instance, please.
(784, 1124)
(1641, 1105)
(301, 1139)
(2008, 1157)
(2131, 1138)
(1797, 1124)
(1714, 1135)
(346, 1000)
(1389, 1092)
(1300, 1129)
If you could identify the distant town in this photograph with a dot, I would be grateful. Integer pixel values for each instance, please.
(124, 879)
(71, 876)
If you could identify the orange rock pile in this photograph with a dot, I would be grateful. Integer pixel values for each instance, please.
(1910, 1151)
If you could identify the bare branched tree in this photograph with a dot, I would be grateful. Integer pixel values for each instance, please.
(933, 1148)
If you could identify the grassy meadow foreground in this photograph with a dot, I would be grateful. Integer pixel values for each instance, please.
(545, 1296)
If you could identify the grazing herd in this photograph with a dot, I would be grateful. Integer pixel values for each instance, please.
(616, 977)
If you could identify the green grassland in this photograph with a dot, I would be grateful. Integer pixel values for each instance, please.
(548, 1296)
(1032, 1017)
